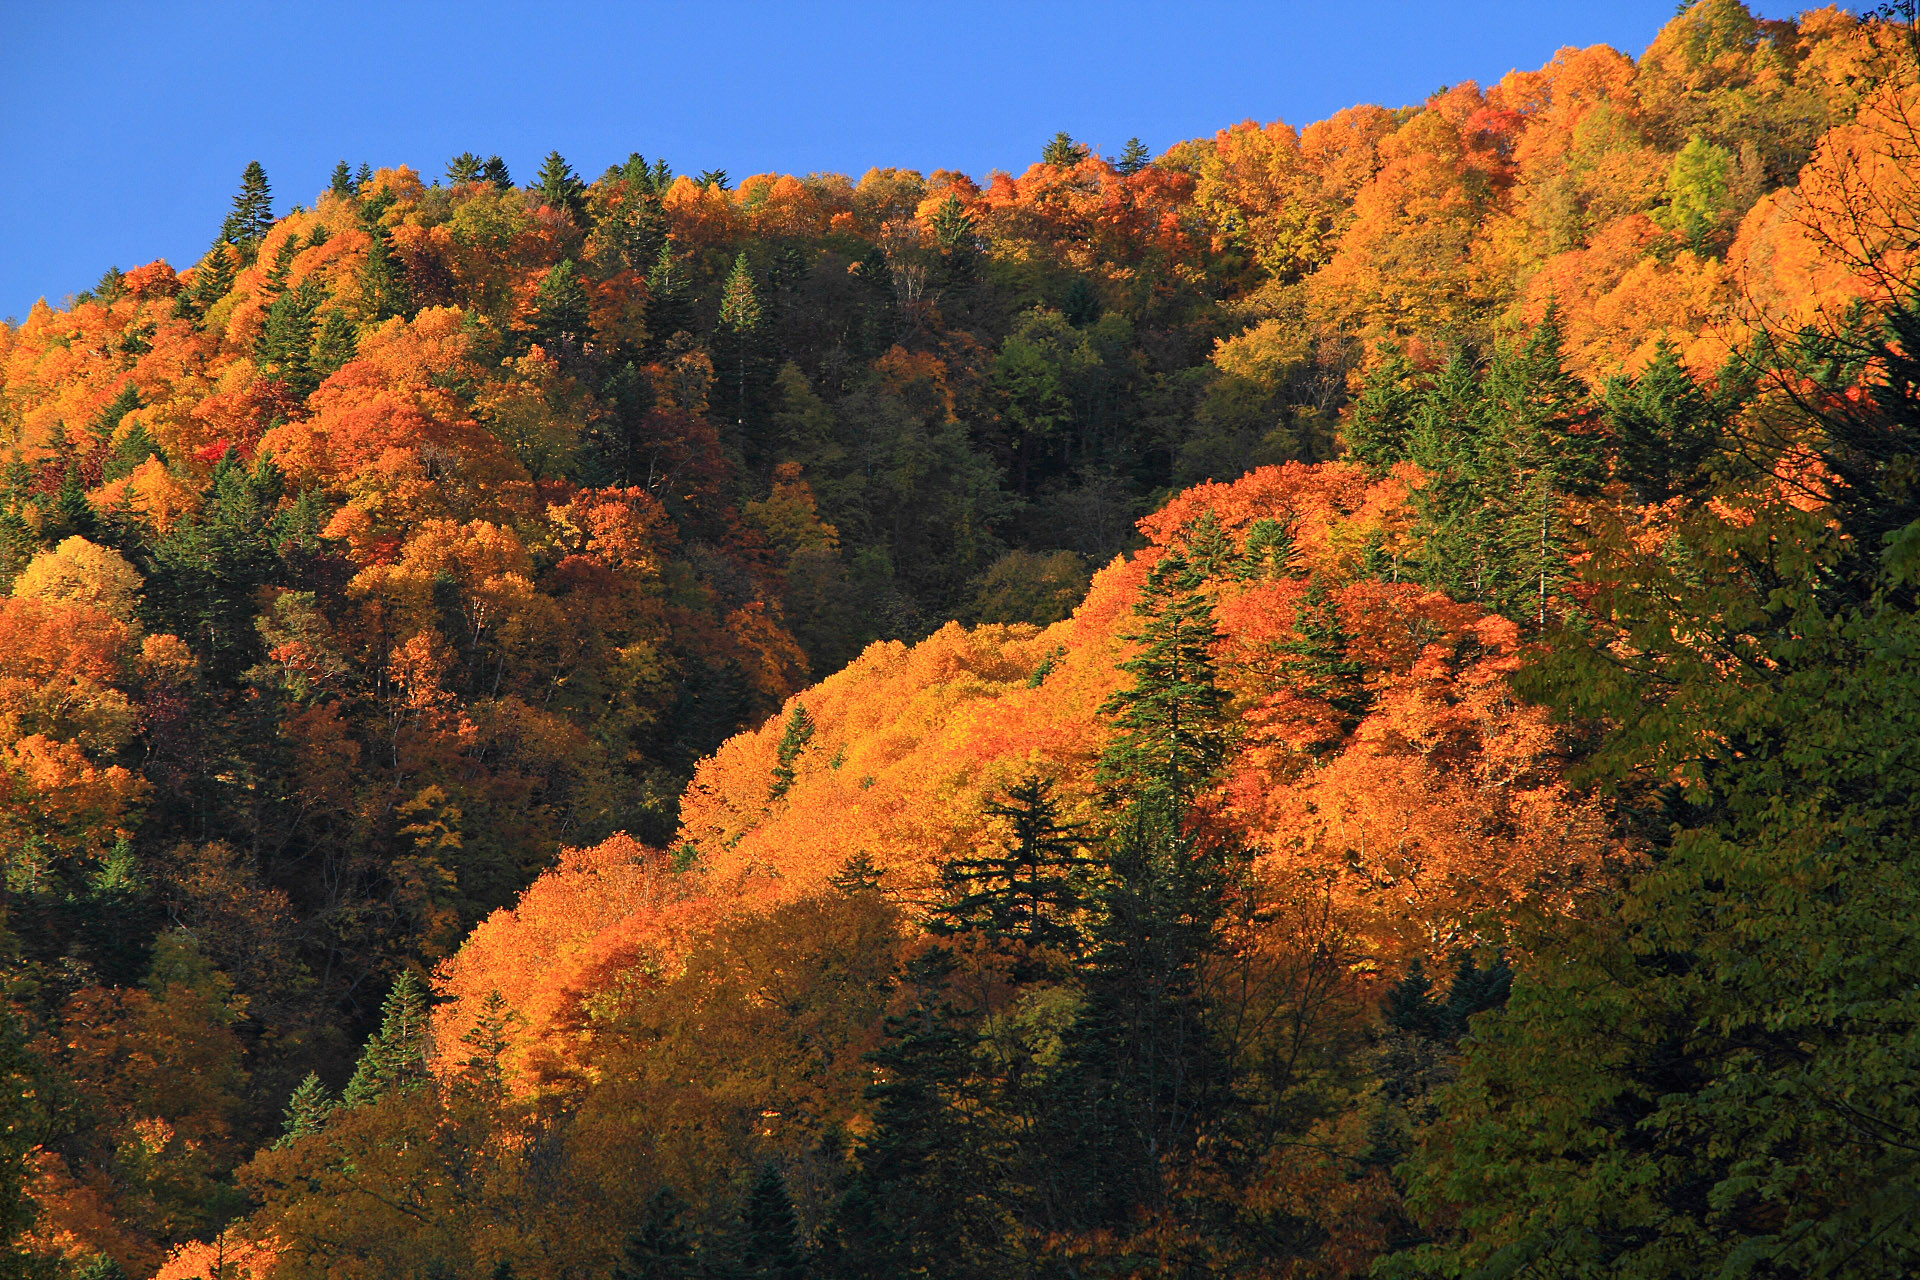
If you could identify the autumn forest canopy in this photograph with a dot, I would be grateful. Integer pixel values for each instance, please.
(1334, 701)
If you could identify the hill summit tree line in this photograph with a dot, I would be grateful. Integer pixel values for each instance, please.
(1324, 703)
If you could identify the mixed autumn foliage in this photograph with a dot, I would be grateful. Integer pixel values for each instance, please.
(1332, 701)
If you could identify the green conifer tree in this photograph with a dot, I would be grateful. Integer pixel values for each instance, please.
(341, 184)
(107, 421)
(923, 1201)
(463, 168)
(383, 282)
(494, 170)
(669, 297)
(1034, 885)
(740, 317)
(252, 215)
(1317, 658)
(307, 1111)
(793, 740)
(561, 188)
(1382, 420)
(770, 1246)
(1170, 727)
(395, 1057)
(661, 1248)
(1062, 152)
(560, 316)
(285, 346)
(1133, 157)
(1665, 424)
(213, 278)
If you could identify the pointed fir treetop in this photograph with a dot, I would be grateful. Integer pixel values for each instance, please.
(560, 306)
(464, 168)
(1133, 157)
(494, 170)
(1170, 727)
(561, 188)
(770, 1231)
(307, 1111)
(794, 740)
(739, 304)
(396, 1055)
(252, 215)
(1062, 152)
(342, 184)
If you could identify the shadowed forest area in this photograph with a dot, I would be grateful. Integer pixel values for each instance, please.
(1329, 702)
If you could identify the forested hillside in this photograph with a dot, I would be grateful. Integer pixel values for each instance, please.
(1327, 702)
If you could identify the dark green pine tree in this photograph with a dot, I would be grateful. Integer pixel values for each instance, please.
(1140, 1077)
(341, 184)
(383, 282)
(793, 740)
(1269, 550)
(923, 1200)
(1317, 658)
(396, 1055)
(1133, 157)
(769, 1240)
(464, 168)
(958, 241)
(1033, 886)
(282, 267)
(334, 344)
(208, 568)
(1540, 448)
(562, 189)
(1210, 550)
(494, 170)
(560, 318)
(740, 317)
(1665, 426)
(72, 513)
(361, 177)
(1062, 152)
(1457, 522)
(108, 420)
(18, 544)
(1379, 430)
(1170, 732)
(213, 278)
(662, 1248)
(307, 1111)
(285, 345)
(252, 216)
(669, 297)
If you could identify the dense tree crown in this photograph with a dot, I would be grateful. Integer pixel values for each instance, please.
(1323, 702)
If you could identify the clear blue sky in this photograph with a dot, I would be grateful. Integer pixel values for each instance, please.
(124, 126)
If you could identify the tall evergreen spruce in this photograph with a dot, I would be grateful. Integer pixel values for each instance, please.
(396, 1055)
(923, 1200)
(1170, 725)
(383, 282)
(1134, 157)
(740, 317)
(769, 1241)
(1033, 886)
(662, 1248)
(793, 740)
(252, 216)
(307, 1111)
(560, 316)
(669, 296)
(1140, 1077)
(561, 188)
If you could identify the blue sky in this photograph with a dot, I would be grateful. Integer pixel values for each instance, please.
(124, 126)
